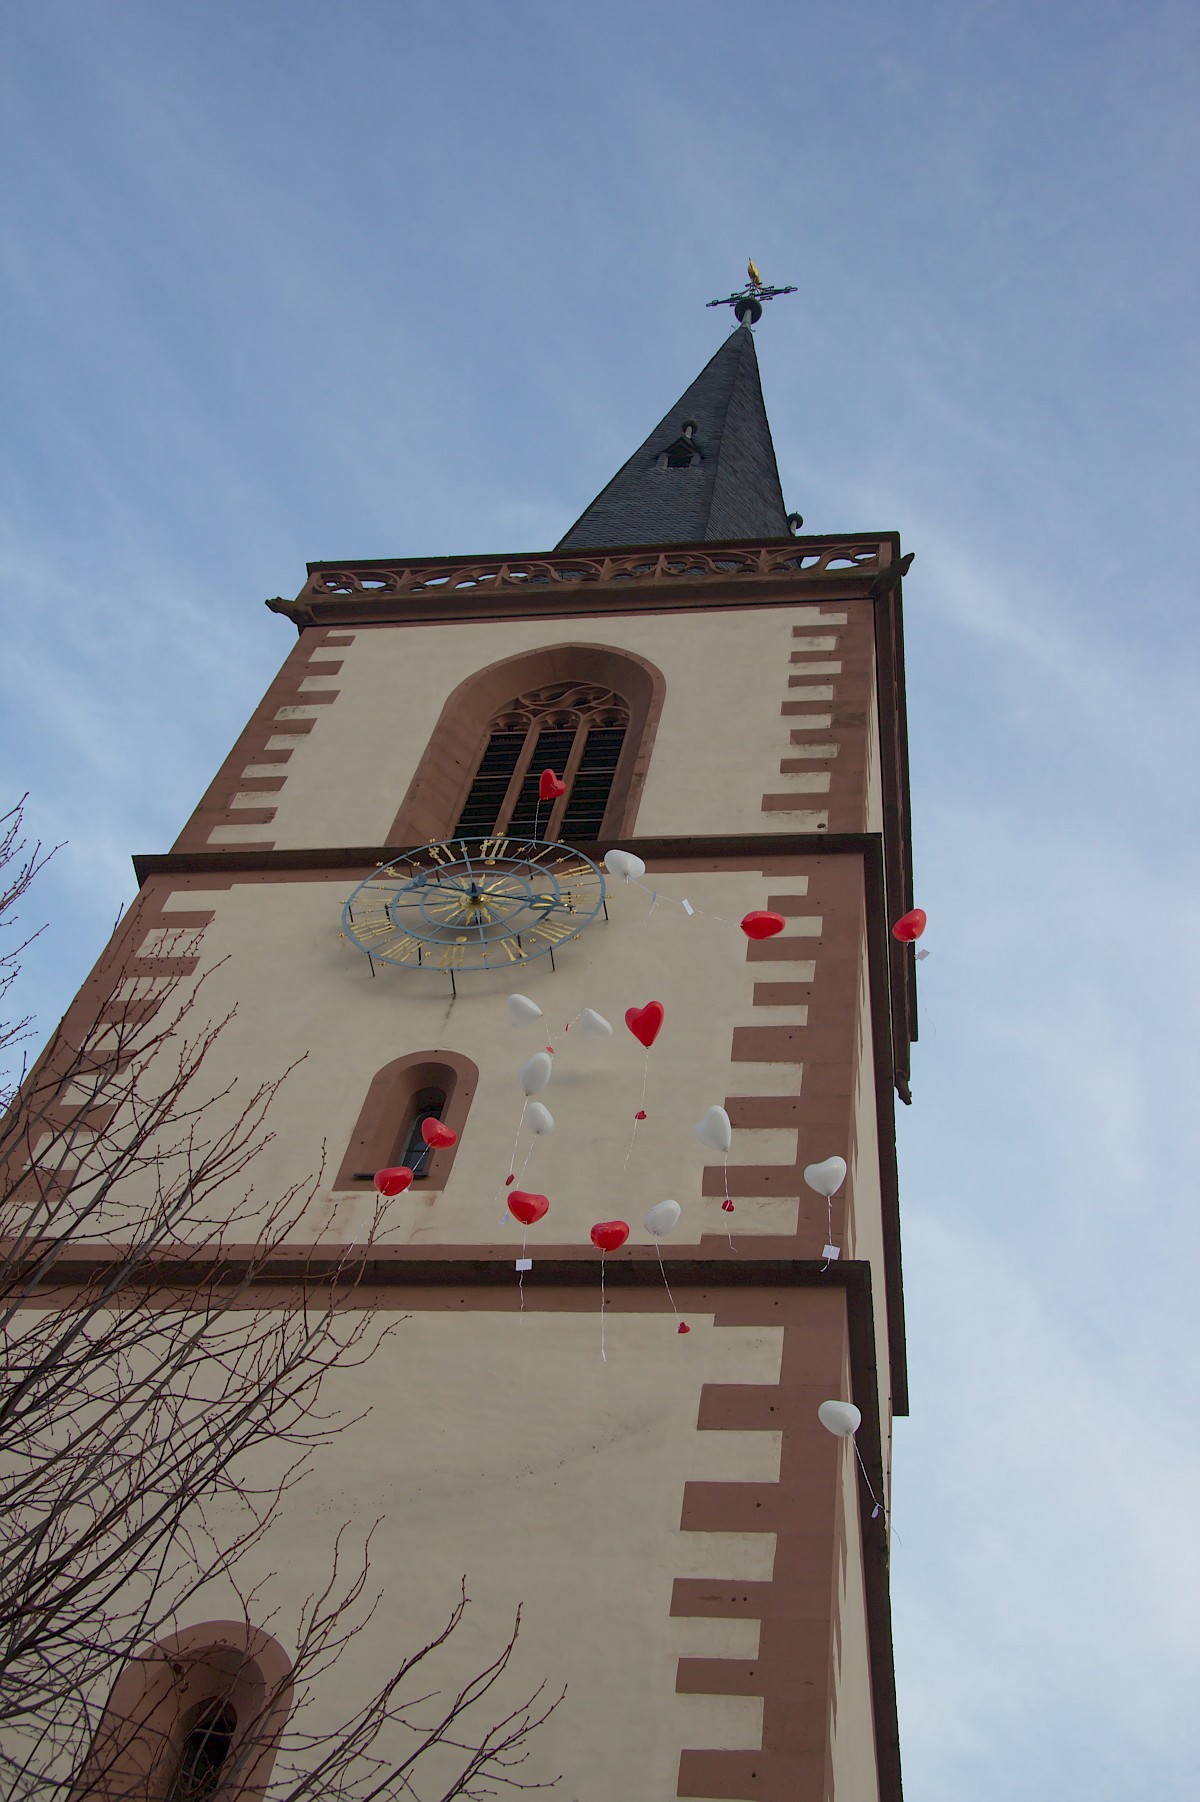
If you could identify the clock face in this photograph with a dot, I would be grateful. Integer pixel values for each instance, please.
(474, 904)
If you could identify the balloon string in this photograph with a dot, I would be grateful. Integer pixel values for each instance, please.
(666, 1285)
(512, 1162)
(603, 1353)
(656, 895)
(637, 1118)
(728, 1197)
(879, 1507)
(521, 1273)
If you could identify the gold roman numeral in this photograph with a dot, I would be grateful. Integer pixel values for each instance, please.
(401, 944)
(374, 929)
(553, 931)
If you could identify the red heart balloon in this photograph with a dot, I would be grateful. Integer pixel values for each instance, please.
(436, 1135)
(607, 1235)
(394, 1180)
(526, 1207)
(727, 1206)
(683, 1327)
(910, 926)
(645, 1022)
(762, 925)
(550, 786)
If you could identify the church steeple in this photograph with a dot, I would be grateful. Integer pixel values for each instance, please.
(707, 470)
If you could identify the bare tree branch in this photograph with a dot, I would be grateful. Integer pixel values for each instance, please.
(133, 1400)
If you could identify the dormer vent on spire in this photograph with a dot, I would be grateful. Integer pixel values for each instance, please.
(683, 454)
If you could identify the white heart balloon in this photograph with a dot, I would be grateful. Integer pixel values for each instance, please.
(714, 1130)
(826, 1178)
(593, 1025)
(539, 1118)
(842, 1419)
(534, 1075)
(662, 1218)
(624, 864)
(523, 1010)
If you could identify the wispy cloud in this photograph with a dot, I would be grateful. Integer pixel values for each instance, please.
(299, 282)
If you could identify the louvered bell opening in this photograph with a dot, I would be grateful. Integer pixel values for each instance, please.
(593, 783)
(550, 753)
(490, 785)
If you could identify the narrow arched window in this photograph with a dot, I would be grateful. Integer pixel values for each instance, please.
(196, 1718)
(576, 729)
(205, 1749)
(424, 1085)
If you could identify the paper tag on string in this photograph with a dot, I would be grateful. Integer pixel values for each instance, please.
(524, 1263)
(831, 1254)
(921, 954)
(687, 907)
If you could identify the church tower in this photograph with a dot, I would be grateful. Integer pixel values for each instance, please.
(623, 1441)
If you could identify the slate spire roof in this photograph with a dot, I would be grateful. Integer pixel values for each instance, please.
(707, 470)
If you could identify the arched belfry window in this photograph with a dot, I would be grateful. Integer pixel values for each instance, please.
(587, 711)
(576, 729)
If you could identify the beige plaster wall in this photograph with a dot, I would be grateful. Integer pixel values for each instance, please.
(852, 1736)
(718, 748)
(300, 991)
(503, 1448)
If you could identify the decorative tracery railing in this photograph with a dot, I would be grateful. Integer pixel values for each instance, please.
(664, 566)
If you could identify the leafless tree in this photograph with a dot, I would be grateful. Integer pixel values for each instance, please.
(141, 1372)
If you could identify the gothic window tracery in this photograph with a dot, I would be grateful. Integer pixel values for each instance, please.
(577, 730)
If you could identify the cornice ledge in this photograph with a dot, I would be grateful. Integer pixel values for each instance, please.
(383, 588)
(741, 847)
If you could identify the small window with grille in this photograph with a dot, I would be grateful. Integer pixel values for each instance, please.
(403, 1096)
(205, 1750)
(427, 1104)
(575, 729)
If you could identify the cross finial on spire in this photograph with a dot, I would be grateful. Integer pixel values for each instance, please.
(747, 303)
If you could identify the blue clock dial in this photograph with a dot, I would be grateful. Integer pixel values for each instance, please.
(474, 904)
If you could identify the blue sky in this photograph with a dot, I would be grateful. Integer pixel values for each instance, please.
(387, 279)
